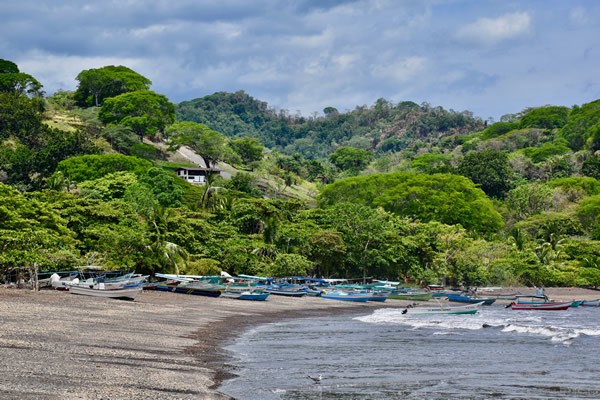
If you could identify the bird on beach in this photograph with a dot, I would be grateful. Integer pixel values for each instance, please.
(316, 379)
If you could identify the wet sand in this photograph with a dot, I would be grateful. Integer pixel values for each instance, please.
(54, 345)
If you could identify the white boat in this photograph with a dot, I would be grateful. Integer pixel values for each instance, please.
(99, 291)
(443, 309)
(65, 283)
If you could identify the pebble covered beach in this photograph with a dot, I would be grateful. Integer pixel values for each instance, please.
(55, 345)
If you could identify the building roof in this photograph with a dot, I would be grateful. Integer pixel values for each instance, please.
(198, 169)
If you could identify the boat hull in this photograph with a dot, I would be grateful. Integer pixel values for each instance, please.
(411, 296)
(354, 297)
(457, 298)
(246, 296)
(541, 307)
(124, 294)
(197, 291)
(468, 309)
(590, 303)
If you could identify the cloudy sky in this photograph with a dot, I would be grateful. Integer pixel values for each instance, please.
(490, 57)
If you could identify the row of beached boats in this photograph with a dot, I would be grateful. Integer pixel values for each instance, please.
(255, 288)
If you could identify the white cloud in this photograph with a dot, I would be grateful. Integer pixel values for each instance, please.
(493, 30)
(401, 70)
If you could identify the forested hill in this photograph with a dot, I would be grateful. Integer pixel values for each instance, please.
(395, 191)
(384, 127)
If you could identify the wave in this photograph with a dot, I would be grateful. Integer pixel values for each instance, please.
(556, 327)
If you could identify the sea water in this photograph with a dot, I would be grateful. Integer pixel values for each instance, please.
(496, 354)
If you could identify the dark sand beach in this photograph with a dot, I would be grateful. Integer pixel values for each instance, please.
(55, 345)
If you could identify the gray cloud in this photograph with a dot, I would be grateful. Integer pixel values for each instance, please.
(307, 55)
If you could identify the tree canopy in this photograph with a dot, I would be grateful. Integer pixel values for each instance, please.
(145, 112)
(98, 84)
(449, 199)
(209, 144)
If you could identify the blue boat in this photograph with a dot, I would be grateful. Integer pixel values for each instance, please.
(347, 296)
(255, 295)
(285, 289)
(463, 298)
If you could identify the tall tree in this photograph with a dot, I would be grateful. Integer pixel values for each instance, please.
(490, 170)
(350, 159)
(208, 144)
(145, 112)
(98, 84)
(14, 81)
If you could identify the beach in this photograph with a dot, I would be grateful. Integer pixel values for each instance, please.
(162, 345)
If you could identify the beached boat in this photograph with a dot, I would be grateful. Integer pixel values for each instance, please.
(287, 290)
(591, 303)
(576, 303)
(199, 289)
(256, 295)
(99, 291)
(378, 296)
(463, 298)
(443, 309)
(532, 299)
(552, 306)
(63, 283)
(410, 295)
(361, 297)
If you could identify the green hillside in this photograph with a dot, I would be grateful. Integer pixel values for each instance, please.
(395, 191)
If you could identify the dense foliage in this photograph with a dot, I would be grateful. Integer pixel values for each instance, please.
(394, 191)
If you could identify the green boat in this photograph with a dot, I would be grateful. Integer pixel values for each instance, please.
(416, 296)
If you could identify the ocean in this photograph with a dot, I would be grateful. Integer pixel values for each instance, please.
(383, 354)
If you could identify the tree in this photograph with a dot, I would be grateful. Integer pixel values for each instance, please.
(208, 144)
(243, 182)
(288, 265)
(20, 83)
(327, 247)
(14, 81)
(591, 167)
(490, 170)
(529, 199)
(449, 199)
(96, 85)
(94, 166)
(250, 149)
(431, 163)
(548, 117)
(350, 159)
(8, 67)
(19, 116)
(144, 111)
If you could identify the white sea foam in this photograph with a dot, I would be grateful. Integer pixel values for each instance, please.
(554, 326)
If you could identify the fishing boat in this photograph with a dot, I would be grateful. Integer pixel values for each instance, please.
(532, 299)
(288, 290)
(361, 297)
(576, 303)
(443, 309)
(197, 288)
(591, 303)
(464, 298)
(410, 295)
(256, 295)
(552, 306)
(100, 291)
(378, 296)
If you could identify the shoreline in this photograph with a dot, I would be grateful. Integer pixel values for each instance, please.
(163, 345)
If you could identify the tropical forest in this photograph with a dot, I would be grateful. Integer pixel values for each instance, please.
(392, 191)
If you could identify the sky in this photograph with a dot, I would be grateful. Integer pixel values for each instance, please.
(489, 57)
